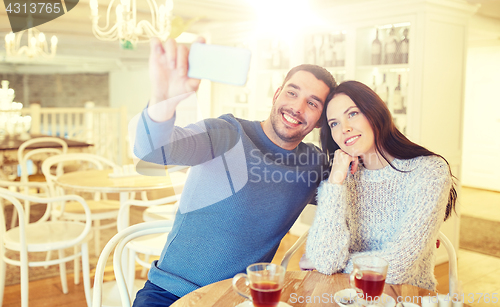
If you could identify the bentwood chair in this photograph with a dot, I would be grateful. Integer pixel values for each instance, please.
(452, 256)
(101, 208)
(452, 267)
(58, 146)
(147, 246)
(43, 236)
(120, 240)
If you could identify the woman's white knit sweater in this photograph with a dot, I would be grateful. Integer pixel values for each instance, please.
(385, 213)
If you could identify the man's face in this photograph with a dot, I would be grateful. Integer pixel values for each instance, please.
(297, 106)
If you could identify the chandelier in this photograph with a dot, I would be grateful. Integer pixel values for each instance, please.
(11, 120)
(37, 44)
(128, 30)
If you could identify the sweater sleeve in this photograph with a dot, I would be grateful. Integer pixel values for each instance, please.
(328, 241)
(426, 201)
(165, 144)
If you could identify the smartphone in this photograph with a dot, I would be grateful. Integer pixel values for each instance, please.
(218, 63)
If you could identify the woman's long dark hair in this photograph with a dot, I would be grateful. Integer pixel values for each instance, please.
(388, 139)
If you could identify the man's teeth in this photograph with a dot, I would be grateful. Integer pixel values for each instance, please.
(349, 141)
(288, 118)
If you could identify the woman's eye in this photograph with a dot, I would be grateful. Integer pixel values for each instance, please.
(353, 114)
(333, 124)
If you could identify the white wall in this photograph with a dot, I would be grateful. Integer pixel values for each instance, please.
(481, 124)
(129, 88)
(481, 143)
(133, 89)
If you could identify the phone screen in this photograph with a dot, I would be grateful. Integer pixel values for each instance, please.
(217, 63)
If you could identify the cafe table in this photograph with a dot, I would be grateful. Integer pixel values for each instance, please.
(302, 289)
(10, 145)
(100, 181)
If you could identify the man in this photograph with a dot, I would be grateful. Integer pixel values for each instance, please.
(248, 183)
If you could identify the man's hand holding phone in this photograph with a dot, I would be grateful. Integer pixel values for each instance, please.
(170, 84)
(175, 72)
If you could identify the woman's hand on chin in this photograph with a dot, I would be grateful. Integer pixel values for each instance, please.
(305, 264)
(340, 166)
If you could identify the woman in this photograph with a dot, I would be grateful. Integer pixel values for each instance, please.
(385, 196)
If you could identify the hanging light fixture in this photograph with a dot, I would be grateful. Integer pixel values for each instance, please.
(11, 120)
(128, 30)
(37, 45)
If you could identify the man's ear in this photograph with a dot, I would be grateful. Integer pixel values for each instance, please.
(276, 94)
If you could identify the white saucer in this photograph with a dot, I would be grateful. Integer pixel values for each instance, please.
(341, 296)
(249, 304)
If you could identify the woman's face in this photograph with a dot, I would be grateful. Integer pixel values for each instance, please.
(350, 128)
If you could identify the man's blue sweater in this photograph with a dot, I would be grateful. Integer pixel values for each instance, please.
(242, 195)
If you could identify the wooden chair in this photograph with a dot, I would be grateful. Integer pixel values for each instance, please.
(101, 208)
(120, 240)
(44, 236)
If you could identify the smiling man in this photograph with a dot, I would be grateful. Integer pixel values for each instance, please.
(226, 220)
(297, 107)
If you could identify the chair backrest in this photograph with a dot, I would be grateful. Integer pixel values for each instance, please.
(120, 240)
(14, 198)
(23, 157)
(97, 161)
(452, 266)
(25, 188)
(452, 256)
(290, 252)
(124, 213)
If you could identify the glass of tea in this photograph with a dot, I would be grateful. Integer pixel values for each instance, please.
(368, 278)
(265, 281)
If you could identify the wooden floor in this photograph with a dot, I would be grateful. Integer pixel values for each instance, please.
(478, 273)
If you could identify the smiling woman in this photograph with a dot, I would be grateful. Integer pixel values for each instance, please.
(385, 196)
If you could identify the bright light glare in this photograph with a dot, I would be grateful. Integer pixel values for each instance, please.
(186, 37)
(284, 18)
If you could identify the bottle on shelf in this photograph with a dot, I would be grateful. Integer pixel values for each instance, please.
(397, 99)
(329, 54)
(383, 91)
(404, 46)
(270, 91)
(276, 55)
(339, 77)
(310, 50)
(391, 47)
(374, 84)
(266, 54)
(318, 44)
(242, 96)
(376, 51)
(400, 123)
(340, 50)
(285, 56)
